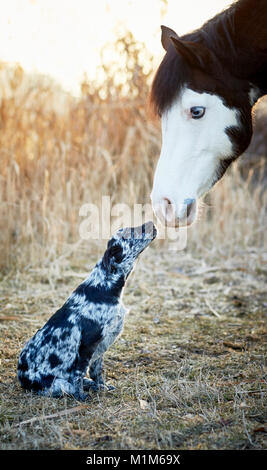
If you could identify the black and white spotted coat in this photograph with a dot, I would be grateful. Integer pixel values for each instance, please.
(56, 359)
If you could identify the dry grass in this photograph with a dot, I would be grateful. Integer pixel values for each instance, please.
(57, 152)
(189, 368)
(185, 377)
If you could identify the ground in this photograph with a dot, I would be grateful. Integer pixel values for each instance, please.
(188, 369)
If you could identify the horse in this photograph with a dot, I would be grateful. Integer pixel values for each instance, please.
(204, 91)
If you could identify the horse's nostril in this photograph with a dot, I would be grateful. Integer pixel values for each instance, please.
(189, 208)
(167, 200)
(168, 210)
(189, 205)
(164, 210)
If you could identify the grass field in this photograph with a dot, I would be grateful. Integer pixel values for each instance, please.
(189, 367)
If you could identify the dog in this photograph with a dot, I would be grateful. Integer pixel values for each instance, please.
(54, 362)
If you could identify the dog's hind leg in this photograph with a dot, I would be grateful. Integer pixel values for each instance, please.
(60, 388)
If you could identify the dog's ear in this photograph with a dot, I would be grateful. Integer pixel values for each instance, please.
(112, 257)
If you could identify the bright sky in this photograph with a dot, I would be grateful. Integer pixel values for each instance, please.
(62, 38)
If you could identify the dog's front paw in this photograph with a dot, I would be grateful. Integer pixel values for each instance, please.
(96, 387)
(82, 397)
(89, 385)
(110, 387)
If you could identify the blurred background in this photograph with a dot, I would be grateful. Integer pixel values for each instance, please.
(75, 125)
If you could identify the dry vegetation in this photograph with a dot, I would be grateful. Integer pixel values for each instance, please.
(189, 368)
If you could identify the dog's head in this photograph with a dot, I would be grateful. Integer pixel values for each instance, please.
(125, 246)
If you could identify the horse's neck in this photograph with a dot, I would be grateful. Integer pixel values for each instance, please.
(250, 19)
(249, 35)
(241, 40)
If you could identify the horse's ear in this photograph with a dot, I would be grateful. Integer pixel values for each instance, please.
(194, 53)
(166, 34)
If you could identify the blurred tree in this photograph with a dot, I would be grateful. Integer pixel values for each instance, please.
(124, 72)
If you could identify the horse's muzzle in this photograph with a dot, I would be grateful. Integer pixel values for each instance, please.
(176, 216)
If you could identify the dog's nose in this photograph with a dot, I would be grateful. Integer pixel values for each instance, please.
(149, 230)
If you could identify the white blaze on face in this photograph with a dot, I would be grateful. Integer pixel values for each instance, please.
(190, 155)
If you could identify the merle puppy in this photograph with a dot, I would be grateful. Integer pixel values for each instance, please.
(55, 360)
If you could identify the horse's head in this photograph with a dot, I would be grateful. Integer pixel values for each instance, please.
(206, 124)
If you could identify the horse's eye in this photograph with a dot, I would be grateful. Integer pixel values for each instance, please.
(197, 112)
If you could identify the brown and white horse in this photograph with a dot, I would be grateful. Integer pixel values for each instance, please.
(204, 91)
